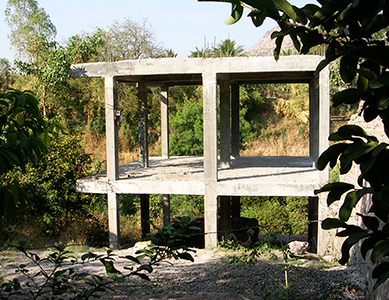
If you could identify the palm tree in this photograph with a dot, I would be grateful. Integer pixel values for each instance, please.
(201, 53)
(228, 48)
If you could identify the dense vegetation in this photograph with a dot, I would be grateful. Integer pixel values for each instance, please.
(273, 121)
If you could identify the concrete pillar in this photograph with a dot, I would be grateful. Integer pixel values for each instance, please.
(166, 208)
(143, 125)
(111, 129)
(210, 215)
(319, 124)
(319, 114)
(112, 159)
(210, 158)
(164, 122)
(145, 214)
(235, 137)
(235, 206)
(113, 220)
(312, 227)
(225, 124)
(225, 216)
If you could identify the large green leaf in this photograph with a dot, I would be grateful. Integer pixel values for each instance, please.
(380, 250)
(381, 273)
(352, 198)
(348, 68)
(367, 245)
(331, 223)
(336, 190)
(379, 54)
(236, 14)
(285, 6)
(371, 223)
(349, 96)
(331, 156)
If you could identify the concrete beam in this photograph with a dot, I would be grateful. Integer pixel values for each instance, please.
(164, 122)
(181, 66)
(225, 124)
(143, 125)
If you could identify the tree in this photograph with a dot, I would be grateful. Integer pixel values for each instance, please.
(228, 48)
(130, 40)
(352, 32)
(28, 22)
(5, 73)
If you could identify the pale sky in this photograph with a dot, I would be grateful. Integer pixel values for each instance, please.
(181, 25)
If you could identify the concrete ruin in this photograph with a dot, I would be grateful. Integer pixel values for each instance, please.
(225, 177)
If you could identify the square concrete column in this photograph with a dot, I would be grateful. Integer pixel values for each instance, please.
(210, 158)
(143, 125)
(210, 125)
(164, 122)
(166, 208)
(235, 206)
(319, 114)
(113, 219)
(112, 159)
(235, 136)
(225, 217)
(225, 124)
(145, 215)
(111, 129)
(313, 223)
(319, 130)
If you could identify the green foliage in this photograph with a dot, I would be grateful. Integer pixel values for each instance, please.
(27, 22)
(22, 139)
(50, 67)
(56, 277)
(226, 48)
(355, 33)
(129, 39)
(283, 215)
(51, 186)
(187, 123)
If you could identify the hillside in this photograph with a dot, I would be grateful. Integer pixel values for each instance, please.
(266, 45)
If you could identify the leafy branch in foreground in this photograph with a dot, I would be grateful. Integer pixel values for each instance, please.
(356, 34)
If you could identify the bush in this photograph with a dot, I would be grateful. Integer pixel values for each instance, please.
(284, 215)
(51, 185)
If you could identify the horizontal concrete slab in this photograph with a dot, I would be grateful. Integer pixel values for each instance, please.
(247, 176)
(188, 70)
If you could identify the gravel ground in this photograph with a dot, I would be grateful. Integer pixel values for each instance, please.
(212, 277)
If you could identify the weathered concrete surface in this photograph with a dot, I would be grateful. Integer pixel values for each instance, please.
(247, 176)
(366, 267)
(148, 68)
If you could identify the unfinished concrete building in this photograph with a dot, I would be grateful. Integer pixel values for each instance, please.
(221, 174)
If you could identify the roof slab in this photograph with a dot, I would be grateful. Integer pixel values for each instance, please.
(188, 71)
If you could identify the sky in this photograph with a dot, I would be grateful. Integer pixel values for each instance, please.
(180, 25)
